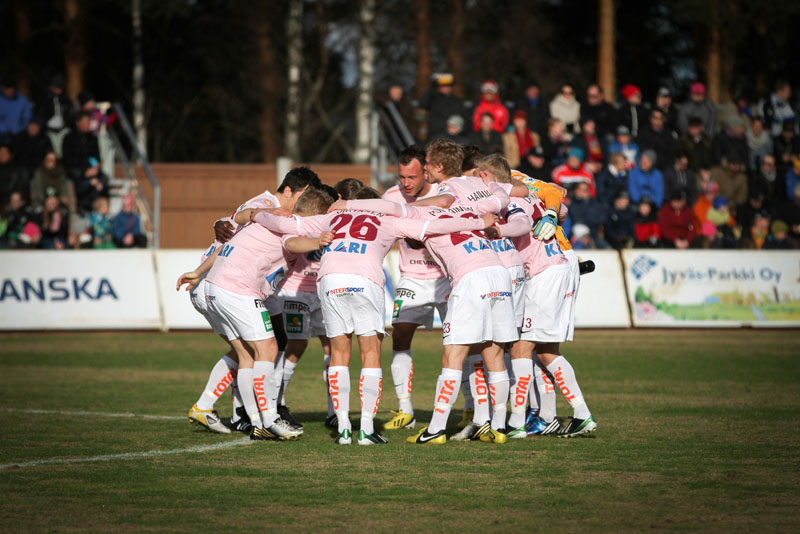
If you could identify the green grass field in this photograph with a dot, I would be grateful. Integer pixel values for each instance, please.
(697, 432)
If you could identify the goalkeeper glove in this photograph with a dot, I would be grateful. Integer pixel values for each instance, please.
(546, 227)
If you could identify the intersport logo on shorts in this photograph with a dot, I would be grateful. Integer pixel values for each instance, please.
(344, 291)
(498, 295)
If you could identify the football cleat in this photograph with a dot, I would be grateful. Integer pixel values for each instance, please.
(466, 418)
(285, 414)
(423, 437)
(332, 421)
(345, 437)
(540, 427)
(576, 427)
(242, 423)
(401, 419)
(494, 436)
(370, 439)
(518, 432)
(208, 419)
(261, 434)
(472, 432)
(284, 431)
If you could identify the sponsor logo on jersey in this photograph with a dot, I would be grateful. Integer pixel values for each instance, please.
(503, 245)
(482, 244)
(422, 262)
(552, 249)
(342, 291)
(402, 293)
(496, 295)
(349, 247)
(259, 303)
(294, 323)
(294, 305)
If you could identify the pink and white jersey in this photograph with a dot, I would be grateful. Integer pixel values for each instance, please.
(247, 263)
(536, 255)
(465, 189)
(210, 250)
(363, 238)
(260, 201)
(458, 253)
(302, 271)
(417, 264)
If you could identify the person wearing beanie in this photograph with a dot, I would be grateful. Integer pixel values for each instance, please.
(490, 103)
(778, 238)
(520, 140)
(441, 104)
(625, 146)
(574, 171)
(646, 180)
(632, 113)
(455, 130)
(567, 109)
(697, 106)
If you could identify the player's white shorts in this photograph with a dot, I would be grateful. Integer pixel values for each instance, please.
(518, 289)
(576, 283)
(480, 309)
(549, 305)
(240, 316)
(415, 300)
(302, 314)
(198, 297)
(351, 304)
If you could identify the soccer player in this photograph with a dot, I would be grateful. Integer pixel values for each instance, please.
(350, 288)
(235, 289)
(422, 288)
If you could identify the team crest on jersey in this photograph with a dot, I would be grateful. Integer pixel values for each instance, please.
(294, 323)
(268, 203)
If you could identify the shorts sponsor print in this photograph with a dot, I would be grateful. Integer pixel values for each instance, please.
(239, 316)
(416, 300)
(302, 315)
(351, 304)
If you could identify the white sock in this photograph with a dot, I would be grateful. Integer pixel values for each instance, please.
(533, 391)
(288, 372)
(565, 380)
(277, 374)
(469, 402)
(326, 362)
(507, 362)
(447, 387)
(479, 389)
(498, 391)
(547, 393)
(245, 381)
(218, 381)
(264, 387)
(402, 376)
(339, 387)
(518, 396)
(369, 389)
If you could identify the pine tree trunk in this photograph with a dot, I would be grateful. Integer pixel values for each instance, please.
(267, 82)
(139, 125)
(294, 60)
(713, 71)
(422, 9)
(455, 48)
(606, 57)
(74, 47)
(366, 75)
(22, 16)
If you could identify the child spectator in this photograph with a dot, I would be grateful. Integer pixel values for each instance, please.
(646, 180)
(620, 225)
(726, 232)
(612, 179)
(676, 221)
(778, 239)
(756, 238)
(626, 146)
(100, 224)
(646, 228)
(55, 222)
(574, 171)
(591, 144)
(127, 226)
(583, 209)
(50, 175)
(581, 237)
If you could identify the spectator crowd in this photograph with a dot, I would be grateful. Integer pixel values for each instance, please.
(640, 173)
(53, 191)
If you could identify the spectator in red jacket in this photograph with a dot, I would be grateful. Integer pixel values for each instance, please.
(646, 228)
(574, 171)
(676, 221)
(490, 103)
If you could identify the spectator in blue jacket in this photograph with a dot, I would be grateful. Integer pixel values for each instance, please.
(646, 180)
(126, 226)
(15, 109)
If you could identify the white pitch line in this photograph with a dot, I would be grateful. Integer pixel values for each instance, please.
(98, 414)
(129, 455)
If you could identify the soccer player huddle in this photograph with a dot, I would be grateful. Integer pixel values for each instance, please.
(478, 242)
